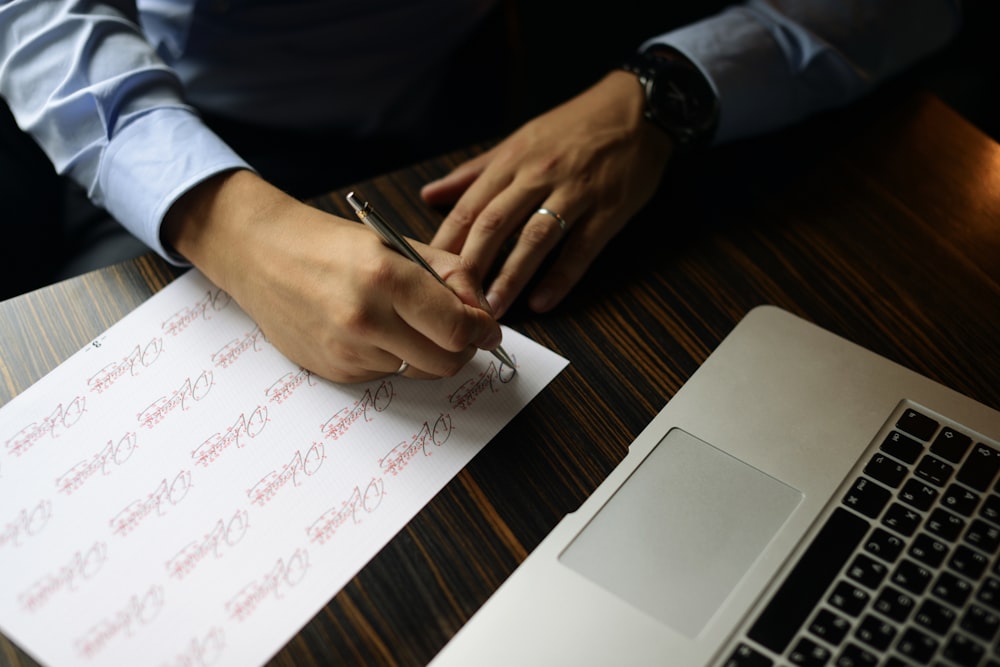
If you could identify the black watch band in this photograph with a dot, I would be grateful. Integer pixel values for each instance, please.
(679, 97)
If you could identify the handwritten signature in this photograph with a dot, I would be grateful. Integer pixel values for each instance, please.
(360, 502)
(61, 419)
(339, 424)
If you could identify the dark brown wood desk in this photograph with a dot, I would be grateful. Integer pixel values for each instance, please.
(881, 224)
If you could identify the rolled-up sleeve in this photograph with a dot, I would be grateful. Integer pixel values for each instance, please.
(83, 81)
(774, 62)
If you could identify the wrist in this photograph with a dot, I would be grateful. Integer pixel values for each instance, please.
(626, 92)
(211, 222)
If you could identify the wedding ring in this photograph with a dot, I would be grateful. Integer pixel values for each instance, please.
(559, 219)
(402, 367)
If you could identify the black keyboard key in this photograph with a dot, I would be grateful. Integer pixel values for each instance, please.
(875, 632)
(968, 561)
(989, 592)
(884, 544)
(867, 497)
(983, 535)
(808, 653)
(916, 645)
(911, 577)
(867, 571)
(829, 626)
(848, 598)
(917, 424)
(959, 499)
(802, 590)
(962, 651)
(894, 603)
(917, 494)
(980, 622)
(980, 468)
(991, 509)
(745, 656)
(951, 445)
(934, 470)
(855, 656)
(935, 616)
(944, 524)
(952, 589)
(928, 550)
(886, 470)
(903, 447)
(901, 519)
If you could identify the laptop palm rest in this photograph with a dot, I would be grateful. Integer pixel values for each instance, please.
(678, 562)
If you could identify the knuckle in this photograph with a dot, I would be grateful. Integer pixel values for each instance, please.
(379, 271)
(356, 321)
(490, 221)
(461, 217)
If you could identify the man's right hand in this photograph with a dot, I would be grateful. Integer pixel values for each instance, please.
(324, 290)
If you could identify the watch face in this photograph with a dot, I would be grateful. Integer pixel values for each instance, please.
(680, 99)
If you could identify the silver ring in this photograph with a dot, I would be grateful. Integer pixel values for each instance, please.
(559, 219)
(402, 367)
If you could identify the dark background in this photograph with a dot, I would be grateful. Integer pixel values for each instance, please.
(560, 47)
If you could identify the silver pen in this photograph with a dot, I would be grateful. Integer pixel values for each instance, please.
(397, 242)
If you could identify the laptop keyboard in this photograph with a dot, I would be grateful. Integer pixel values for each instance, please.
(905, 569)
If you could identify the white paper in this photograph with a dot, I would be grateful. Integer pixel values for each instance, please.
(179, 493)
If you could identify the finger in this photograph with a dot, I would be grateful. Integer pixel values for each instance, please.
(545, 228)
(447, 189)
(502, 223)
(475, 208)
(575, 257)
(439, 331)
(426, 358)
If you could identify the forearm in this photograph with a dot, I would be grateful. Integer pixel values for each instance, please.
(84, 82)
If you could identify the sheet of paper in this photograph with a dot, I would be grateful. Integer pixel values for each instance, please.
(179, 493)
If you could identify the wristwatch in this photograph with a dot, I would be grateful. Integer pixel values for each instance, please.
(679, 97)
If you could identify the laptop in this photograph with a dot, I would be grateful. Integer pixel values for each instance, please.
(800, 501)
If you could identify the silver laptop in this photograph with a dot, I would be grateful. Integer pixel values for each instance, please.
(799, 501)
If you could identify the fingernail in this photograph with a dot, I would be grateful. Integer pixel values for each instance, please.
(542, 300)
(493, 299)
(484, 303)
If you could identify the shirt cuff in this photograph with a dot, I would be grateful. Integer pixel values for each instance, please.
(767, 71)
(741, 60)
(154, 160)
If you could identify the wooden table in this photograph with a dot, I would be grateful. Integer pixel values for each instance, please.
(881, 224)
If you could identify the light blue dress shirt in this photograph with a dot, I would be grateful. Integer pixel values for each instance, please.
(110, 89)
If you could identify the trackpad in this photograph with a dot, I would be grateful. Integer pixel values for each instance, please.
(682, 530)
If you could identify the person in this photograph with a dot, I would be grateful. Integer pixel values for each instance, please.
(147, 104)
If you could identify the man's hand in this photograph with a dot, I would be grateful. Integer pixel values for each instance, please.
(594, 161)
(325, 290)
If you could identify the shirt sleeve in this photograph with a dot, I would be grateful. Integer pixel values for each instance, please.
(774, 62)
(83, 81)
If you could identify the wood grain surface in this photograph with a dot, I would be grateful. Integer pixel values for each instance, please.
(881, 223)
